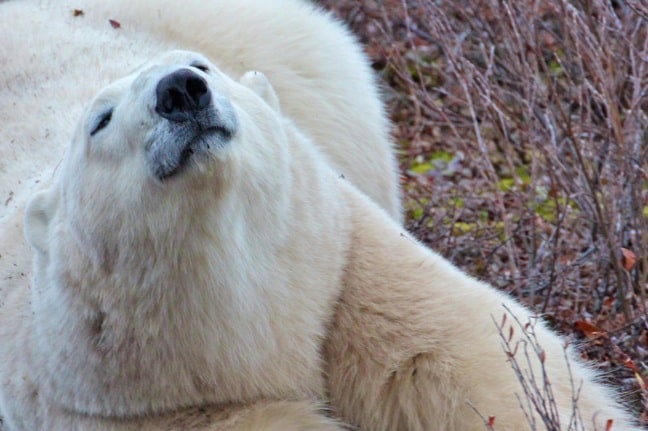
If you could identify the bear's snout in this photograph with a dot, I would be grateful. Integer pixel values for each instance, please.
(181, 94)
(194, 122)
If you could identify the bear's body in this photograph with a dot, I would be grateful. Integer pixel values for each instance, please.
(55, 56)
(200, 257)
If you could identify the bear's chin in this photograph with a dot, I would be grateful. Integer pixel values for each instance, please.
(195, 154)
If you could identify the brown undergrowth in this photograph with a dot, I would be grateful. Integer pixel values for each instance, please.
(523, 131)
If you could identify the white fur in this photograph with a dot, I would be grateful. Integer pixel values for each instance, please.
(206, 300)
(138, 264)
(415, 343)
(130, 312)
(177, 292)
(324, 82)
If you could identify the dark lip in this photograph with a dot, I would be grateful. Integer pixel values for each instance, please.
(202, 142)
(224, 132)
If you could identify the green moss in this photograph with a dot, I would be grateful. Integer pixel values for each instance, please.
(506, 184)
(509, 182)
(461, 228)
(417, 213)
(421, 168)
(550, 208)
(436, 161)
(442, 156)
(523, 174)
(457, 202)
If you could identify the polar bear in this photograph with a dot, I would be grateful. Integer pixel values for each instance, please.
(47, 77)
(174, 268)
(199, 261)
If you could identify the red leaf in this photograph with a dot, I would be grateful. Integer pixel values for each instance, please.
(608, 425)
(628, 259)
(491, 421)
(590, 331)
(114, 24)
(629, 363)
(511, 354)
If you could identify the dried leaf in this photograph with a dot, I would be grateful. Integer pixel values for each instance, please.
(511, 331)
(628, 259)
(629, 363)
(511, 354)
(542, 356)
(608, 425)
(590, 331)
(503, 320)
(77, 12)
(114, 24)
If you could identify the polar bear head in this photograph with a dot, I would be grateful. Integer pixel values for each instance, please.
(178, 243)
(158, 148)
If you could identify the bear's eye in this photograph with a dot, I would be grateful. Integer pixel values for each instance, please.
(102, 121)
(201, 67)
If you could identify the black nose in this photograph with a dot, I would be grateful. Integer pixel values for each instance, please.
(180, 94)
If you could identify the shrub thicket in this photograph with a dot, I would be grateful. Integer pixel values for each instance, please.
(523, 130)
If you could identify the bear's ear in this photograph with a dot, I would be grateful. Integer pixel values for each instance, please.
(40, 210)
(257, 82)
